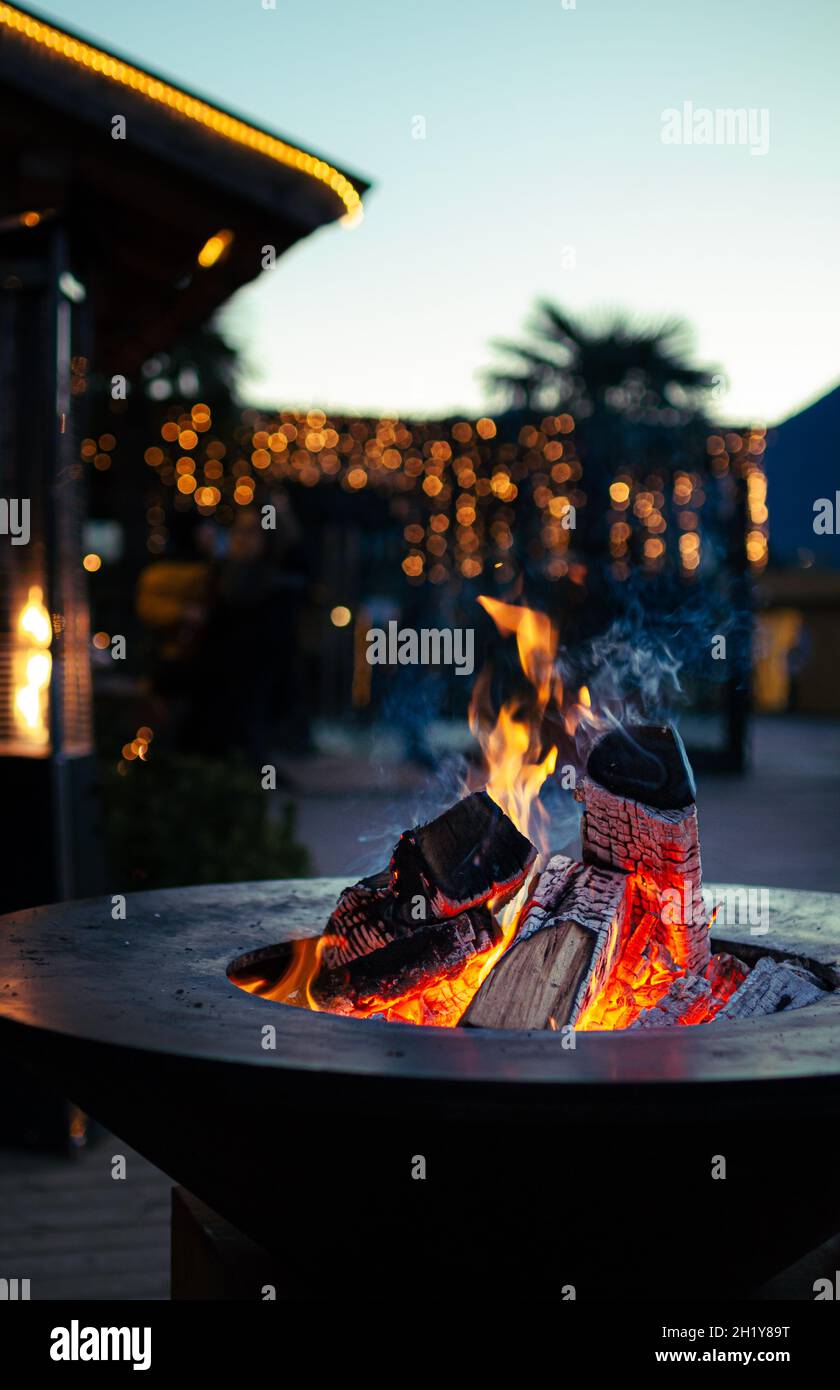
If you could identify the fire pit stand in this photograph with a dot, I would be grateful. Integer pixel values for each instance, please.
(591, 1164)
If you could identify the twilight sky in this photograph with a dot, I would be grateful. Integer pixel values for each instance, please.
(542, 172)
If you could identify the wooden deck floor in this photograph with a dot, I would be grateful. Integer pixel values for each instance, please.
(76, 1232)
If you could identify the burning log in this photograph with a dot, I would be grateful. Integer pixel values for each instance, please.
(469, 854)
(770, 988)
(563, 951)
(418, 922)
(621, 937)
(656, 841)
(688, 1000)
(435, 950)
(725, 973)
(363, 921)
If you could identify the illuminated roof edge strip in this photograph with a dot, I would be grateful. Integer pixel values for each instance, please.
(193, 108)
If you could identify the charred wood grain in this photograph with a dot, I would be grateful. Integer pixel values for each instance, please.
(407, 964)
(462, 858)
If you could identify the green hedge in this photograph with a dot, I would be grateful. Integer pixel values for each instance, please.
(175, 820)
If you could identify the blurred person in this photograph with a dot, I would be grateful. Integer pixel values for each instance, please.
(245, 676)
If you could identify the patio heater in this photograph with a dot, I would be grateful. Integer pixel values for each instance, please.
(46, 741)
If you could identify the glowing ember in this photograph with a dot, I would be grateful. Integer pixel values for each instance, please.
(646, 968)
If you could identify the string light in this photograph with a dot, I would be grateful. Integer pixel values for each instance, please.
(214, 248)
(201, 112)
(465, 500)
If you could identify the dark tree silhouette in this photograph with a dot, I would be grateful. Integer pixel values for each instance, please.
(638, 402)
(634, 370)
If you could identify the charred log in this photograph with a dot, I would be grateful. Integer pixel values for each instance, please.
(662, 849)
(688, 1000)
(433, 951)
(469, 854)
(645, 763)
(363, 921)
(472, 853)
(770, 988)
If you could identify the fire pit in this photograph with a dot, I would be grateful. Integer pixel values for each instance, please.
(304, 1128)
(485, 1058)
(476, 1061)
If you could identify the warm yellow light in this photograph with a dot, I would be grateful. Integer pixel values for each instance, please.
(92, 563)
(32, 671)
(619, 492)
(201, 112)
(214, 248)
(34, 621)
(30, 219)
(340, 616)
(28, 705)
(38, 669)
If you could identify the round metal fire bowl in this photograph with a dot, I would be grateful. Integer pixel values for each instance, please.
(157, 981)
(567, 1164)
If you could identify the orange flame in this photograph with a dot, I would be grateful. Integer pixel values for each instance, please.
(517, 767)
(512, 745)
(516, 770)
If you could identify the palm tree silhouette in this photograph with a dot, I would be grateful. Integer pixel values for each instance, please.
(615, 365)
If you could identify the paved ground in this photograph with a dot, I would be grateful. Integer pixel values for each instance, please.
(74, 1231)
(780, 825)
